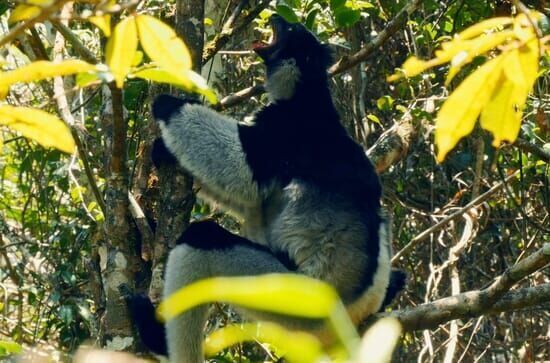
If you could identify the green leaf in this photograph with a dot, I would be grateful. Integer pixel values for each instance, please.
(287, 13)
(190, 81)
(10, 347)
(121, 49)
(373, 118)
(346, 17)
(337, 4)
(42, 127)
(385, 103)
(310, 19)
(294, 346)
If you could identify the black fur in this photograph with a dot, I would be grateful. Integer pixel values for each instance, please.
(302, 138)
(165, 106)
(207, 234)
(161, 155)
(398, 280)
(142, 313)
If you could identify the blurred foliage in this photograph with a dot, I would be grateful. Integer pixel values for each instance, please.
(49, 218)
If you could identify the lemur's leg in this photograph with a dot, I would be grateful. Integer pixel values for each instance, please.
(207, 250)
(207, 145)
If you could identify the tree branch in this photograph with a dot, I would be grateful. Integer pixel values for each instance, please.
(495, 298)
(533, 149)
(426, 233)
(344, 63)
(44, 14)
(228, 30)
(393, 26)
(463, 306)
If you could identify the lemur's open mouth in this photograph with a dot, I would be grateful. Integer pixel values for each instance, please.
(278, 26)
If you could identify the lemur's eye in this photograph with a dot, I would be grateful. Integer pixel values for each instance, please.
(290, 28)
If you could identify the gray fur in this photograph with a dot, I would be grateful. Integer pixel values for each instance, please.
(186, 265)
(281, 83)
(207, 145)
(321, 232)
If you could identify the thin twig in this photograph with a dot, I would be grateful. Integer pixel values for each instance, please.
(422, 236)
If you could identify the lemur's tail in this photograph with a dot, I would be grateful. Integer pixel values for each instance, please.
(151, 331)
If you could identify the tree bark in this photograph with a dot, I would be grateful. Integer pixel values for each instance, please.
(176, 195)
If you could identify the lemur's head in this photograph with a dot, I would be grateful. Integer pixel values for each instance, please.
(293, 55)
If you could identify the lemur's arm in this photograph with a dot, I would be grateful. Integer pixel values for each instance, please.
(207, 145)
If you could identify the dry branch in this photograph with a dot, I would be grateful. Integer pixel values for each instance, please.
(426, 233)
(495, 298)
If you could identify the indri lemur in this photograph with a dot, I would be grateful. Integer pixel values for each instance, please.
(308, 195)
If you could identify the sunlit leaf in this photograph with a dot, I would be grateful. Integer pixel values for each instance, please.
(40, 70)
(289, 294)
(412, 67)
(163, 46)
(41, 126)
(194, 82)
(10, 347)
(379, 341)
(484, 26)
(103, 22)
(23, 12)
(459, 113)
(208, 21)
(476, 47)
(86, 79)
(42, 3)
(287, 13)
(502, 115)
(374, 118)
(121, 48)
(294, 346)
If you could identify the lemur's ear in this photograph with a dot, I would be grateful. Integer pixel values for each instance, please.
(166, 106)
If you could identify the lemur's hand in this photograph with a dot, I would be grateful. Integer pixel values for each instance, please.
(163, 108)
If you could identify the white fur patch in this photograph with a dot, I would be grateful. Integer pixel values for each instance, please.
(371, 300)
(280, 85)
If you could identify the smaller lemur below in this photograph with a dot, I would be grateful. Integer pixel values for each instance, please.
(309, 196)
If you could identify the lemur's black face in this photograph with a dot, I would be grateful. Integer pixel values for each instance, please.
(294, 41)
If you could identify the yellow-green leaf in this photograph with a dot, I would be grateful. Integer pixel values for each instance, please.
(458, 115)
(192, 82)
(379, 341)
(502, 115)
(289, 294)
(294, 346)
(103, 22)
(474, 48)
(121, 49)
(10, 347)
(42, 3)
(23, 12)
(163, 46)
(40, 70)
(44, 128)
(484, 26)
